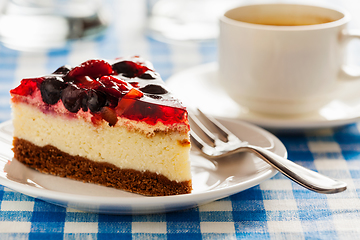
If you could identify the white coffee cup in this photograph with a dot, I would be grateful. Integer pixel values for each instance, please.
(283, 58)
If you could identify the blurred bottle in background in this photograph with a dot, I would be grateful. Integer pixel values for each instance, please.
(35, 25)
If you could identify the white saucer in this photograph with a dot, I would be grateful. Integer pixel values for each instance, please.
(212, 180)
(198, 88)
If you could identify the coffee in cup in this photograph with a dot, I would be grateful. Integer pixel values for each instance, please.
(283, 58)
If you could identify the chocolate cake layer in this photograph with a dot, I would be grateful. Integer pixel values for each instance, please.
(49, 159)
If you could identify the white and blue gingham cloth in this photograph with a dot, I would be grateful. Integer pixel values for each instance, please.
(275, 209)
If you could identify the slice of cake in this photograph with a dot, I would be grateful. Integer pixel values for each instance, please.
(109, 123)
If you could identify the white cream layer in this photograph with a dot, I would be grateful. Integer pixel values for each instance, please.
(162, 153)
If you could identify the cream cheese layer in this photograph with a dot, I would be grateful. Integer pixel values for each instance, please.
(162, 153)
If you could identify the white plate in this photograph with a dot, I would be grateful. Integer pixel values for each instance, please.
(211, 180)
(198, 88)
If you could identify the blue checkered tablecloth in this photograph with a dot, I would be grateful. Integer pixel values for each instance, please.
(275, 209)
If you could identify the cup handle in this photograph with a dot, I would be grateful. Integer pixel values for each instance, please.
(348, 72)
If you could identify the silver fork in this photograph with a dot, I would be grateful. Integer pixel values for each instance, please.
(216, 142)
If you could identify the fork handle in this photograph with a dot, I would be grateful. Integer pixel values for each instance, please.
(305, 177)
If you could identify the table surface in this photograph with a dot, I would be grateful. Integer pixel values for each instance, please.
(275, 209)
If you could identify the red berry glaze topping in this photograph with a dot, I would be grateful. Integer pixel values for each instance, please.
(126, 88)
(91, 68)
(27, 86)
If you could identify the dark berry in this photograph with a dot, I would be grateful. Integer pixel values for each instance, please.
(155, 96)
(84, 106)
(96, 100)
(72, 98)
(51, 89)
(91, 68)
(129, 69)
(148, 75)
(63, 70)
(153, 89)
(126, 67)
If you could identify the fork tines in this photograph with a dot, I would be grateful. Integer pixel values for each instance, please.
(210, 136)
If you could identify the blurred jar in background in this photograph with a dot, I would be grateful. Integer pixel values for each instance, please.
(35, 25)
(186, 20)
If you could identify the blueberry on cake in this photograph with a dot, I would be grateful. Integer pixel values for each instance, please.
(109, 123)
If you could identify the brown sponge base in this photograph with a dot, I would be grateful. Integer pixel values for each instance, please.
(49, 159)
